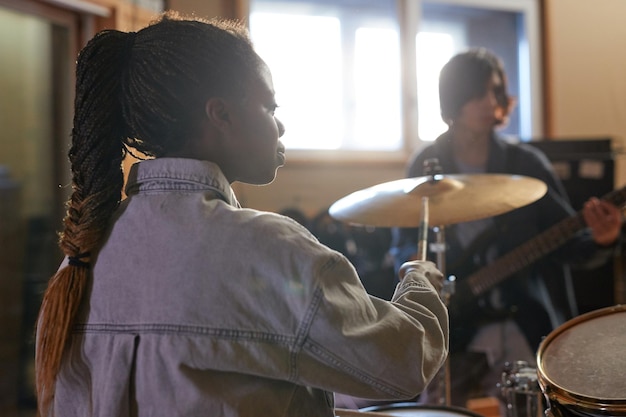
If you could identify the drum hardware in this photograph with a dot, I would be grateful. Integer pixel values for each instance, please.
(433, 170)
(444, 394)
(520, 390)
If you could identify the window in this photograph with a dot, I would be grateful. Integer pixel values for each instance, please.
(341, 68)
(336, 71)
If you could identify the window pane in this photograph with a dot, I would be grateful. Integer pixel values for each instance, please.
(336, 71)
(433, 51)
(306, 70)
(377, 123)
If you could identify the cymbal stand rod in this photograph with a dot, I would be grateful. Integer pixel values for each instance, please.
(440, 248)
(422, 243)
(446, 292)
(444, 386)
(421, 255)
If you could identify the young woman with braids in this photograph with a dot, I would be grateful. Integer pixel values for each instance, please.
(177, 301)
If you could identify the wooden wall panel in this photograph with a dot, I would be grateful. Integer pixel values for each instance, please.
(585, 80)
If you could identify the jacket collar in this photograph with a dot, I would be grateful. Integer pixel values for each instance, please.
(163, 174)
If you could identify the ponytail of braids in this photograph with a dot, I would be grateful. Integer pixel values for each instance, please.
(96, 156)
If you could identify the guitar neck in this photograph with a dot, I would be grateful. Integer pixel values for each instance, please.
(534, 249)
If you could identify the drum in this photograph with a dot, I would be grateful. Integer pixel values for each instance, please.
(581, 365)
(418, 410)
(520, 390)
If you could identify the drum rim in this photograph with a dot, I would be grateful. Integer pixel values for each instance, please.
(418, 406)
(556, 392)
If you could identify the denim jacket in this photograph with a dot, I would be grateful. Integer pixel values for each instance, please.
(198, 307)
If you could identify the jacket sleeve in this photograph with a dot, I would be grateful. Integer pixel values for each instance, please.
(363, 346)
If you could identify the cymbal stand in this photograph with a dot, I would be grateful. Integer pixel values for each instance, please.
(433, 168)
(423, 231)
(443, 376)
(445, 384)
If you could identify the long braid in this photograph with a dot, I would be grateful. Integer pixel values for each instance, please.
(144, 91)
(95, 155)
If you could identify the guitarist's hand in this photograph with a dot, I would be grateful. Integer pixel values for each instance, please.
(426, 269)
(604, 219)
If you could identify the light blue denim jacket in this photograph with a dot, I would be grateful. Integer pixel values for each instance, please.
(198, 307)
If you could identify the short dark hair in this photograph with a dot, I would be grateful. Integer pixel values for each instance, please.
(465, 77)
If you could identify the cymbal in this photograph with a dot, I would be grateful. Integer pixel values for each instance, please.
(451, 199)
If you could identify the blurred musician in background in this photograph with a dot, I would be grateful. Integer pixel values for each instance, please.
(508, 322)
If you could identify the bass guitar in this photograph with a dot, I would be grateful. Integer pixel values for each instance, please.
(463, 303)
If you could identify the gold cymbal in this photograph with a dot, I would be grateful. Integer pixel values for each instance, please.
(451, 199)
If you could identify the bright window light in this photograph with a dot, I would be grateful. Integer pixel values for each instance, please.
(378, 121)
(433, 51)
(307, 73)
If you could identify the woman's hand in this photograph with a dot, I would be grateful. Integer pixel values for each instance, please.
(425, 268)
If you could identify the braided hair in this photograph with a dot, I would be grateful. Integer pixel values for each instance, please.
(145, 91)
